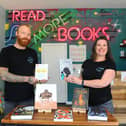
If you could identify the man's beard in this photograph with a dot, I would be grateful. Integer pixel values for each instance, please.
(23, 41)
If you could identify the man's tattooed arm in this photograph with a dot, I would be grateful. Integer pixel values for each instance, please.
(7, 76)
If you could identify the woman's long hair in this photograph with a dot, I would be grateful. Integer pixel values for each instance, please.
(109, 53)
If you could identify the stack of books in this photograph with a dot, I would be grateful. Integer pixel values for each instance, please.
(63, 115)
(22, 113)
(96, 113)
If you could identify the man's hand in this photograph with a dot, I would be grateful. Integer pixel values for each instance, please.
(42, 81)
(31, 80)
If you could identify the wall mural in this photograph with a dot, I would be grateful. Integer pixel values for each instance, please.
(73, 26)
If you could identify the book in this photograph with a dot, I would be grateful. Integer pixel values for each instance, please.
(66, 68)
(23, 113)
(63, 115)
(45, 97)
(41, 71)
(80, 100)
(123, 76)
(96, 113)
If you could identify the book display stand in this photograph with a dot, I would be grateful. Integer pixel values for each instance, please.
(79, 110)
(44, 110)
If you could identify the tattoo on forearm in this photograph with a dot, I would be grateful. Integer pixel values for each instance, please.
(12, 78)
(30, 80)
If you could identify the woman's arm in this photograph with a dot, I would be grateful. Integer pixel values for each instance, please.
(106, 79)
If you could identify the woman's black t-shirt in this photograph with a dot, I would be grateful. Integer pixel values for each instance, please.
(94, 70)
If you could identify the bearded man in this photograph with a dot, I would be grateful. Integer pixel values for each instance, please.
(17, 67)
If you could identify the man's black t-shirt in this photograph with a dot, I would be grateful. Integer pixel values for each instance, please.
(94, 70)
(19, 62)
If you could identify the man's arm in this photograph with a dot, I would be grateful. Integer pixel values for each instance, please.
(7, 76)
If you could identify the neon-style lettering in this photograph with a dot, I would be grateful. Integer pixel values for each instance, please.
(25, 15)
(15, 15)
(63, 34)
(47, 28)
(78, 33)
(31, 15)
(93, 33)
(40, 15)
(86, 29)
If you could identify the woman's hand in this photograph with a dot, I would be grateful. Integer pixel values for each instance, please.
(73, 79)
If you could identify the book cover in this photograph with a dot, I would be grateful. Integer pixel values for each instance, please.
(23, 113)
(66, 68)
(123, 76)
(45, 96)
(41, 71)
(80, 99)
(97, 114)
(63, 115)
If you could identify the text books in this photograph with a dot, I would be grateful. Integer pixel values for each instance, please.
(63, 115)
(41, 71)
(80, 100)
(22, 112)
(96, 113)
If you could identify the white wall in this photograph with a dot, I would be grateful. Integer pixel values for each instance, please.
(46, 4)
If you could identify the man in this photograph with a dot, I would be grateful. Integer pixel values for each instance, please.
(17, 66)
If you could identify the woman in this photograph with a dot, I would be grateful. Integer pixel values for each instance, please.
(97, 74)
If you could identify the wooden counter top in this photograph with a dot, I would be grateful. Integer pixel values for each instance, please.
(40, 118)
